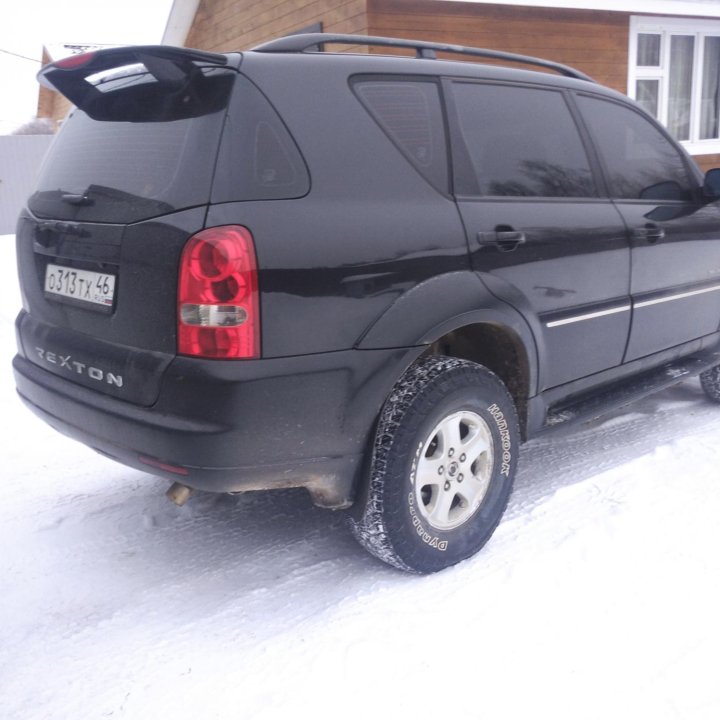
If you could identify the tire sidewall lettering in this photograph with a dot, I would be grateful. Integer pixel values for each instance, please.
(502, 438)
(430, 540)
(395, 526)
(433, 541)
(505, 440)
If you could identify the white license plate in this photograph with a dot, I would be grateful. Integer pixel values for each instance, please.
(82, 285)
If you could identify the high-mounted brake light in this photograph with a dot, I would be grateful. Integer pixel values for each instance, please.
(74, 61)
(218, 303)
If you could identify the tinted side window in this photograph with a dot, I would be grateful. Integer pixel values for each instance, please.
(258, 158)
(409, 112)
(522, 142)
(640, 161)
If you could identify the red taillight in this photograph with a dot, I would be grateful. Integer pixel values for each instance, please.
(176, 469)
(218, 305)
(74, 61)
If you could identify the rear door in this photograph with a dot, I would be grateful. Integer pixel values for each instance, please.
(540, 231)
(675, 234)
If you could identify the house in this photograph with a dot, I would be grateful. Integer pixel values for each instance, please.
(664, 53)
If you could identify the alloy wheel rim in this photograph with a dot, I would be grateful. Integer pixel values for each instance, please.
(454, 470)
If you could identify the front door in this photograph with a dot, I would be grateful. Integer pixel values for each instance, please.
(675, 235)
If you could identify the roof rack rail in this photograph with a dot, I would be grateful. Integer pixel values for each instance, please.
(312, 41)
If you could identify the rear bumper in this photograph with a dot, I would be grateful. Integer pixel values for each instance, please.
(229, 426)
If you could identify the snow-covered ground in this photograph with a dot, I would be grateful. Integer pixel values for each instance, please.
(597, 597)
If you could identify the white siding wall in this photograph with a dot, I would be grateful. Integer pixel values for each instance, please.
(20, 159)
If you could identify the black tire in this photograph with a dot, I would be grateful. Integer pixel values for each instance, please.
(710, 381)
(440, 407)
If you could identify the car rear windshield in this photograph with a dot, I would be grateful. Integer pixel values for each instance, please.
(161, 156)
(135, 164)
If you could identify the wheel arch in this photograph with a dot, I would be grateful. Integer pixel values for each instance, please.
(499, 349)
(455, 315)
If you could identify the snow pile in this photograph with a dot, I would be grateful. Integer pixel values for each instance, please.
(597, 597)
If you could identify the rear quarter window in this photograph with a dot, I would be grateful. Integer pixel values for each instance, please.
(410, 114)
(258, 159)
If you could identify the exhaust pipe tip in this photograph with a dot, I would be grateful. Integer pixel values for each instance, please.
(179, 493)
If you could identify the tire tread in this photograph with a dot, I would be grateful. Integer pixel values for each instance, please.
(370, 529)
(710, 382)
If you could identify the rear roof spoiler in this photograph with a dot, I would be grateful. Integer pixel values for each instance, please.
(169, 65)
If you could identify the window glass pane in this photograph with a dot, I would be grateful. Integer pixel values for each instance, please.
(129, 171)
(648, 50)
(410, 114)
(640, 161)
(647, 93)
(710, 103)
(258, 158)
(523, 142)
(682, 49)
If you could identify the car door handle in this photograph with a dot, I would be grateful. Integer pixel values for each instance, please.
(505, 239)
(650, 232)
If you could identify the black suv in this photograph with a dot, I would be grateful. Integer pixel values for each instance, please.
(365, 275)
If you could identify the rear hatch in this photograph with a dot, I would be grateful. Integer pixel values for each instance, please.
(125, 184)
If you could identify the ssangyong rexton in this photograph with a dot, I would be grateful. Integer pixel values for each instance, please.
(367, 276)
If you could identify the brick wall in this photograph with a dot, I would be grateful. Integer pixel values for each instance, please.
(51, 104)
(706, 162)
(594, 42)
(224, 25)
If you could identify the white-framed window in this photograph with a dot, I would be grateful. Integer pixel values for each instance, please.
(674, 73)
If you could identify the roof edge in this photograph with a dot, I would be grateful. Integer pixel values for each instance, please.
(685, 8)
(179, 22)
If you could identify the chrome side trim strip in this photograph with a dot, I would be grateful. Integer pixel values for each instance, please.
(679, 296)
(625, 308)
(589, 316)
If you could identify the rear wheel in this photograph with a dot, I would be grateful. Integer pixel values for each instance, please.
(442, 469)
(710, 381)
